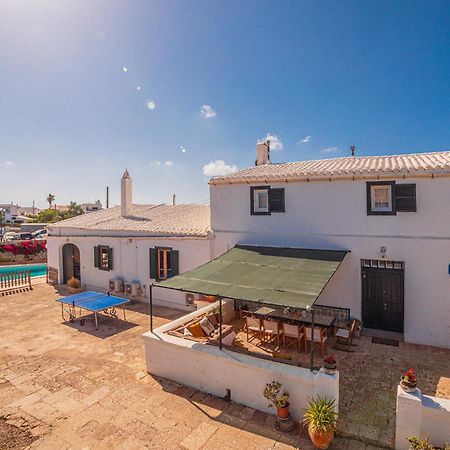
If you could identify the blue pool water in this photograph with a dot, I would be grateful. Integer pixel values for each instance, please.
(37, 270)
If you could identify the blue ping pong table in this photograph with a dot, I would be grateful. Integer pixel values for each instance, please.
(91, 301)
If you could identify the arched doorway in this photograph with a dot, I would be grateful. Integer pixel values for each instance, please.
(71, 262)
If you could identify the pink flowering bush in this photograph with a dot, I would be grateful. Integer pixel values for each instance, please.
(26, 249)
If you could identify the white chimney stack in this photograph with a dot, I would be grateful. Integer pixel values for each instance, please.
(126, 194)
(262, 153)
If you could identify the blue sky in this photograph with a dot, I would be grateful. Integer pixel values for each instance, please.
(89, 88)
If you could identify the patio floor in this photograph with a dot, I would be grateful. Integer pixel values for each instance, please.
(66, 386)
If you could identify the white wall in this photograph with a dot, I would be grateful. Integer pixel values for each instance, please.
(130, 261)
(332, 215)
(423, 416)
(212, 370)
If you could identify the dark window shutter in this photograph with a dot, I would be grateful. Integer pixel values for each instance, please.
(153, 263)
(110, 258)
(405, 197)
(96, 257)
(276, 200)
(175, 259)
(252, 201)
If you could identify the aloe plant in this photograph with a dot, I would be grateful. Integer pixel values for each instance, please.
(320, 415)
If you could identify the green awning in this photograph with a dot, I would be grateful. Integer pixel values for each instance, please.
(292, 277)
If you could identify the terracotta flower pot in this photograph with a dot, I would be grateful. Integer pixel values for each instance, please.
(320, 440)
(283, 413)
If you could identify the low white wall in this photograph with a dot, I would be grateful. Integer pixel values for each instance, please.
(423, 416)
(211, 370)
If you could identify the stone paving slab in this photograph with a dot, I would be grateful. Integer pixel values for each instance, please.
(77, 387)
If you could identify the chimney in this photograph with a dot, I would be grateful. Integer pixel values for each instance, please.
(126, 194)
(262, 153)
(352, 149)
(174, 200)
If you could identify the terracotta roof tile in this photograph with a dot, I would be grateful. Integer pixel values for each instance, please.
(363, 166)
(153, 220)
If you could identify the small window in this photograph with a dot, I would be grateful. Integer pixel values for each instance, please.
(164, 263)
(103, 258)
(380, 198)
(405, 198)
(265, 200)
(261, 201)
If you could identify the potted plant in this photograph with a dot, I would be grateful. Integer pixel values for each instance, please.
(409, 381)
(320, 416)
(329, 364)
(279, 399)
(74, 284)
(418, 443)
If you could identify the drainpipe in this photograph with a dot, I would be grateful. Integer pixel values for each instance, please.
(151, 307)
(312, 339)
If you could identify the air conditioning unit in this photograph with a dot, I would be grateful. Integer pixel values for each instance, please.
(116, 285)
(189, 300)
(131, 287)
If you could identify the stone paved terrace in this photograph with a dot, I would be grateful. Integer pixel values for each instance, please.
(65, 386)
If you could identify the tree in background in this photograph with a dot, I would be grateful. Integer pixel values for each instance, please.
(52, 215)
(50, 199)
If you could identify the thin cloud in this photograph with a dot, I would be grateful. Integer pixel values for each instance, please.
(275, 144)
(305, 140)
(155, 163)
(168, 163)
(158, 163)
(8, 164)
(331, 150)
(207, 112)
(218, 168)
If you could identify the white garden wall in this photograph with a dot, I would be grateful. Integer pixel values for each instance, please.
(423, 416)
(209, 369)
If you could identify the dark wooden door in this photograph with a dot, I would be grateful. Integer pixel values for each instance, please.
(383, 298)
(71, 262)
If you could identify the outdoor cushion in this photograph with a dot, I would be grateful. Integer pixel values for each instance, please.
(212, 318)
(343, 333)
(196, 330)
(207, 326)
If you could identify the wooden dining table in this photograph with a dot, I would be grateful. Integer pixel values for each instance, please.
(295, 318)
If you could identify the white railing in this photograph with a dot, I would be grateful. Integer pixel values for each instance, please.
(15, 280)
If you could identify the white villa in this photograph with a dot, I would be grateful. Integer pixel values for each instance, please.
(389, 212)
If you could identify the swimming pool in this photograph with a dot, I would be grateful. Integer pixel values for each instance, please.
(37, 270)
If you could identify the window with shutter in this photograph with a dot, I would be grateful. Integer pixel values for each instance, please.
(164, 263)
(103, 257)
(405, 198)
(265, 200)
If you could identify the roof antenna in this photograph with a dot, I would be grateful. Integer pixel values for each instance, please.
(352, 148)
(174, 200)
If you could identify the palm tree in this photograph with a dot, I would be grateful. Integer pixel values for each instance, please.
(50, 199)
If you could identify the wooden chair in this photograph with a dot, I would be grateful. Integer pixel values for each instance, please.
(320, 337)
(344, 336)
(253, 327)
(271, 329)
(293, 335)
(242, 315)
